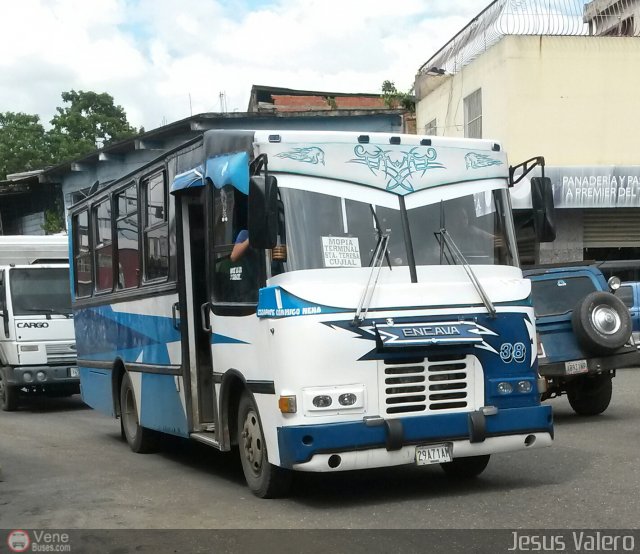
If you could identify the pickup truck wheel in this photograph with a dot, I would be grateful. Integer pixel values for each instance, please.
(465, 468)
(601, 323)
(8, 396)
(263, 478)
(141, 440)
(590, 394)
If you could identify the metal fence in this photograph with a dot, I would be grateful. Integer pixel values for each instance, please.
(535, 17)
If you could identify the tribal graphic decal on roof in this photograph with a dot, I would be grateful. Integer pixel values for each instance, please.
(476, 161)
(399, 167)
(312, 155)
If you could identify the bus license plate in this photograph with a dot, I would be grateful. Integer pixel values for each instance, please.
(576, 366)
(73, 372)
(433, 454)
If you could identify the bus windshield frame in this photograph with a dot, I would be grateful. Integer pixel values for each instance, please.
(330, 224)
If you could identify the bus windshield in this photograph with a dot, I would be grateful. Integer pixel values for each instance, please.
(40, 291)
(324, 230)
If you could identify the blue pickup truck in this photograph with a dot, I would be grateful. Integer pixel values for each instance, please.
(584, 335)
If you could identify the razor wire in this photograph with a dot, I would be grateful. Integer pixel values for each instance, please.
(534, 17)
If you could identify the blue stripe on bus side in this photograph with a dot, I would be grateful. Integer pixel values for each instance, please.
(107, 334)
(95, 386)
(160, 406)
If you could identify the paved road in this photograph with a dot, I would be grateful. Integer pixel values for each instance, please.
(65, 465)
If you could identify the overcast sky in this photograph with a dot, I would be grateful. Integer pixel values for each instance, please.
(163, 60)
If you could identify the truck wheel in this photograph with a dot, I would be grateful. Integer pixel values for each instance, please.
(264, 479)
(8, 395)
(590, 394)
(466, 468)
(601, 322)
(140, 439)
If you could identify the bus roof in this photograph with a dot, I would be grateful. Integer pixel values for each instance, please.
(400, 164)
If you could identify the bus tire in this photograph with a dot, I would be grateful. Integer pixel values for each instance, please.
(141, 440)
(264, 479)
(9, 395)
(465, 468)
(590, 395)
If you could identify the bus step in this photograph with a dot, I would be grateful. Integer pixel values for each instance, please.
(206, 438)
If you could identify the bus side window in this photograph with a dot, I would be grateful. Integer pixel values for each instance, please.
(156, 228)
(127, 237)
(236, 266)
(81, 255)
(103, 262)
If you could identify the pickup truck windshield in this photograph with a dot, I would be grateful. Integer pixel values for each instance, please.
(40, 291)
(559, 296)
(324, 230)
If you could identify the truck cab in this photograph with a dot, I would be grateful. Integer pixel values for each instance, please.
(37, 345)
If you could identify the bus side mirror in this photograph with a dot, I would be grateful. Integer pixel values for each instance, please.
(263, 211)
(544, 215)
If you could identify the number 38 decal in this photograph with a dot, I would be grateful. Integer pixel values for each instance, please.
(516, 352)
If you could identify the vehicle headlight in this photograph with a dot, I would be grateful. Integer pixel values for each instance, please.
(525, 386)
(28, 348)
(333, 400)
(505, 388)
(322, 401)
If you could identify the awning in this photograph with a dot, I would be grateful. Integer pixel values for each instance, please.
(227, 169)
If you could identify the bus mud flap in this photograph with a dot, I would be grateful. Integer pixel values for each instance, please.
(395, 434)
(477, 427)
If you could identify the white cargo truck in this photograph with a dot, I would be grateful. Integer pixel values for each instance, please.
(37, 343)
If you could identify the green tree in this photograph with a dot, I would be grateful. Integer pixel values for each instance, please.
(54, 217)
(23, 143)
(394, 99)
(90, 121)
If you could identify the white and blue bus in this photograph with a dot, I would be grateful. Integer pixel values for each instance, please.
(326, 301)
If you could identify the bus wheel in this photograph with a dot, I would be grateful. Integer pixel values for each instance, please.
(264, 479)
(140, 439)
(8, 396)
(465, 468)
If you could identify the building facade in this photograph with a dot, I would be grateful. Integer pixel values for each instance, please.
(24, 198)
(562, 85)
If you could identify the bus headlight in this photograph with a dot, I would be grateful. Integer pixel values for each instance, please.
(505, 388)
(333, 400)
(322, 401)
(28, 378)
(525, 386)
(347, 399)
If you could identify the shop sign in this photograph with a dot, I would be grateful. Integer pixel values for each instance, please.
(587, 187)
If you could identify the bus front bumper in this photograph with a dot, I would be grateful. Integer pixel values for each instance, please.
(379, 443)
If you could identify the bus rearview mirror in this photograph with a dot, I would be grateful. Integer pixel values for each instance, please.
(263, 211)
(544, 219)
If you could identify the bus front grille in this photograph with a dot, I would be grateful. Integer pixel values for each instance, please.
(433, 385)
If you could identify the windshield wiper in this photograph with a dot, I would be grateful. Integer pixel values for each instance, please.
(47, 311)
(459, 257)
(379, 232)
(379, 255)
